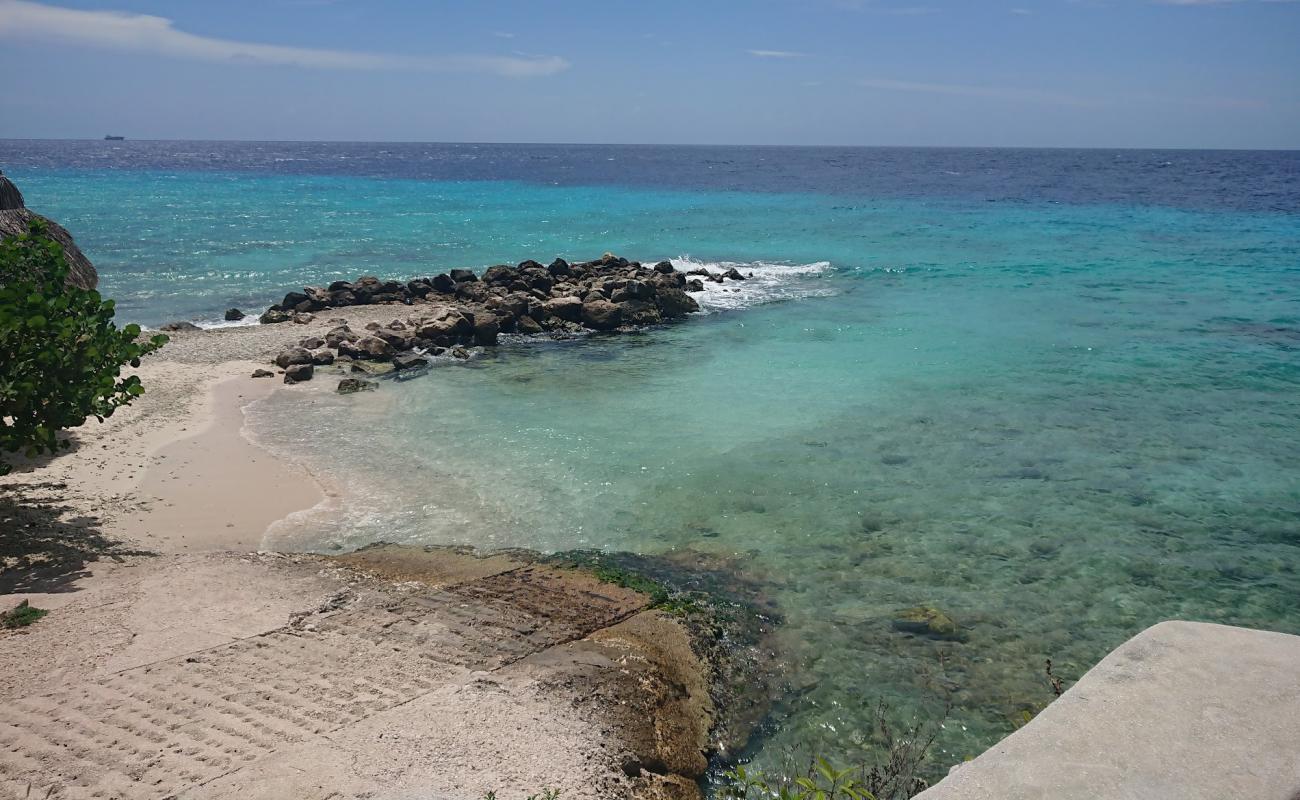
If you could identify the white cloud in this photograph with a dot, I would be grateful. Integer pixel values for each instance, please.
(775, 53)
(1213, 2)
(143, 33)
(990, 92)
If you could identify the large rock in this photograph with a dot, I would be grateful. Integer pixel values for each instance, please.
(601, 314)
(14, 219)
(566, 308)
(486, 328)
(296, 373)
(639, 312)
(673, 302)
(369, 347)
(294, 355)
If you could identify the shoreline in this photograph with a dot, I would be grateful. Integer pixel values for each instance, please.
(155, 569)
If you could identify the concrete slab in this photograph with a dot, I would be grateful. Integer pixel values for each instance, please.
(1182, 711)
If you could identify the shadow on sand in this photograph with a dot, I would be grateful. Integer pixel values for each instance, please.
(45, 545)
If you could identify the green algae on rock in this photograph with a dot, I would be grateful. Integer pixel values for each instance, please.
(928, 621)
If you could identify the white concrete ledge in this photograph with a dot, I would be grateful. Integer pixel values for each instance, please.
(1182, 711)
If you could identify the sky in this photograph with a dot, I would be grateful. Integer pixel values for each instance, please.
(1055, 73)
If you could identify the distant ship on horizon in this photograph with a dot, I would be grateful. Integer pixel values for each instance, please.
(114, 138)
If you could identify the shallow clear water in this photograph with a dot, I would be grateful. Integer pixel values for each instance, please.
(1060, 417)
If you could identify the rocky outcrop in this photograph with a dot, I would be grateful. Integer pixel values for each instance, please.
(607, 294)
(14, 219)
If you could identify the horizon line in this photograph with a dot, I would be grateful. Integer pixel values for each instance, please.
(1279, 149)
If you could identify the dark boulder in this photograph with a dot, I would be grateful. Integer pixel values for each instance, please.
(292, 300)
(500, 275)
(263, 373)
(419, 288)
(733, 274)
(340, 286)
(695, 285)
(566, 308)
(341, 298)
(463, 275)
(340, 334)
(312, 343)
(443, 283)
(537, 278)
(633, 290)
(486, 328)
(398, 340)
(403, 361)
(273, 316)
(665, 267)
(292, 356)
(322, 358)
(527, 325)
(296, 373)
(180, 325)
(559, 267)
(639, 312)
(473, 291)
(369, 347)
(674, 303)
(234, 315)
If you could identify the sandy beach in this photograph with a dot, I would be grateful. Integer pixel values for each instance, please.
(178, 661)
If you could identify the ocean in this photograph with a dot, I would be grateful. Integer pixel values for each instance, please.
(1053, 393)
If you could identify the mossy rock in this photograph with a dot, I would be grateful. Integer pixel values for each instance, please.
(928, 621)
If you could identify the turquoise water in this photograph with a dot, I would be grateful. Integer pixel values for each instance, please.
(1058, 421)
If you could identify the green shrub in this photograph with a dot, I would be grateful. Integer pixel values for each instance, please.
(60, 353)
(21, 615)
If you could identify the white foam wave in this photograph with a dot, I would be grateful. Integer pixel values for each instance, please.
(765, 282)
(251, 319)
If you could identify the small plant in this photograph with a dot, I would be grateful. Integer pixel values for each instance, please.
(547, 794)
(892, 773)
(1058, 687)
(21, 615)
(823, 782)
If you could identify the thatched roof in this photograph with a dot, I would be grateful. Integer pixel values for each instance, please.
(14, 218)
(10, 197)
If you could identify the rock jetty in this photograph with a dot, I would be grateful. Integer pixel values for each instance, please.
(461, 309)
(602, 295)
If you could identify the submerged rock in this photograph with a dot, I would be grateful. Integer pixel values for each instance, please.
(927, 621)
(234, 315)
(354, 385)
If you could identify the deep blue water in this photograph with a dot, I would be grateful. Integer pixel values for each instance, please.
(1053, 392)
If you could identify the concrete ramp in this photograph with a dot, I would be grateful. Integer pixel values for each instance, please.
(1182, 711)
